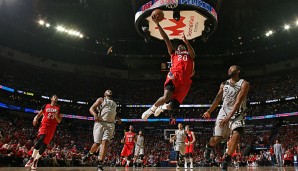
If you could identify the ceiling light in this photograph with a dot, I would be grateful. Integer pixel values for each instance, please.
(41, 22)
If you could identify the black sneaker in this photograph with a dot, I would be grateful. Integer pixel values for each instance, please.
(85, 158)
(207, 153)
(224, 166)
(100, 167)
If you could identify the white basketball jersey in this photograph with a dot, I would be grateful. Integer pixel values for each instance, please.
(107, 110)
(230, 93)
(180, 136)
(140, 141)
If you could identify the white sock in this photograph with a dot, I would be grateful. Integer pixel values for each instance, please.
(185, 160)
(153, 108)
(37, 156)
(34, 153)
(191, 161)
(127, 162)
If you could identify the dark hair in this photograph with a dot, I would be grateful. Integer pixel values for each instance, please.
(54, 95)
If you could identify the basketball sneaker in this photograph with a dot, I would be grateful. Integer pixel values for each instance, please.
(34, 165)
(224, 166)
(100, 167)
(147, 114)
(158, 111)
(29, 163)
(207, 153)
(191, 166)
(185, 166)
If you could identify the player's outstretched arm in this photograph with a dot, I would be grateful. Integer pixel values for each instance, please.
(164, 36)
(241, 96)
(92, 109)
(215, 103)
(189, 47)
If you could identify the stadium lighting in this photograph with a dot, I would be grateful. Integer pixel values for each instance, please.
(296, 22)
(269, 33)
(41, 22)
(60, 28)
(81, 36)
(287, 27)
(48, 25)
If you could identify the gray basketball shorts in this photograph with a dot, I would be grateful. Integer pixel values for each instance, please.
(226, 130)
(180, 146)
(103, 131)
(139, 150)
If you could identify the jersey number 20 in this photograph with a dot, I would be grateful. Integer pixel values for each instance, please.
(184, 57)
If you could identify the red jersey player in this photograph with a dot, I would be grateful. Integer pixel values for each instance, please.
(178, 79)
(51, 118)
(129, 140)
(189, 146)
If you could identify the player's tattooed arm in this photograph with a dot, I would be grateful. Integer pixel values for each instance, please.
(189, 47)
(93, 109)
(215, 103)
(165, 37)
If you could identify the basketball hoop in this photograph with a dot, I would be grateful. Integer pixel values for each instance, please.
(197, 19)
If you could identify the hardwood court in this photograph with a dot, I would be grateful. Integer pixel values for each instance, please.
(150, 169)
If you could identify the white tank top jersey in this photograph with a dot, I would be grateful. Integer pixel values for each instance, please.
(107, 110)
(230, 93)
(140, 141)
(180, 136)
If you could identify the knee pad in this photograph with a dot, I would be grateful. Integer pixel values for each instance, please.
(174, 104)
(141, 156)
(39, 142)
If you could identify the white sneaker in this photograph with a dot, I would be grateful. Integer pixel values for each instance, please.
(177, 167)
(34, 165)
(191, 166)
(158, 111)
(185, 165)
(147, 114)
(29, 163)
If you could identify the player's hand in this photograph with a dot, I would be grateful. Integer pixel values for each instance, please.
(35, 121)
(224, 122)
(122, 141)
(119, 121)
(184, 38)
(206, 115)
(96, 119)
(154, 18)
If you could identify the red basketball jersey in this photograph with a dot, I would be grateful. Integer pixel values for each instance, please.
(129, 137)
(189, 137)
(182, 62)
(49, 114)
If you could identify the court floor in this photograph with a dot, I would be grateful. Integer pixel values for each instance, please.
(150, 169)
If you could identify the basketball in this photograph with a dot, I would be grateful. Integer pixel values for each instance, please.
(159, 14)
